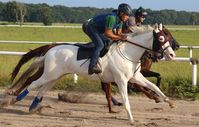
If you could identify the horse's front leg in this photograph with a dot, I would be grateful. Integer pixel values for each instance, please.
(148, 73)
(122, 85)
(106, 87)
(141, 80)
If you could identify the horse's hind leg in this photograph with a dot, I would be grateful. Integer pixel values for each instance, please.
(29, 81)
(33, 85)
(51, 72)
(9, 100)
(38, 63)
(37, 100)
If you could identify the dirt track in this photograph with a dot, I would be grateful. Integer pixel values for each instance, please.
(91, 111)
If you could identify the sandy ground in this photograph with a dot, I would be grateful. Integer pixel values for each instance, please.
(91, 111)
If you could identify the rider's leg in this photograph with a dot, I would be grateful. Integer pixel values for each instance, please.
(99, 45)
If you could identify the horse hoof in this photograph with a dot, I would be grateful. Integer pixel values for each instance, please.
(7, 101)
(13, 101)
(157, 100)
(172, 105)
(9, 92)
(118, 104)
(132, 122)
(36, 109)
(3, 104)
(112, 111)
(35, 106)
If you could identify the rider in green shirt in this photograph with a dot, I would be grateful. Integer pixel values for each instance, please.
(104, 27)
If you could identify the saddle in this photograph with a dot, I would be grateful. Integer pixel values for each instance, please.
(85, 51)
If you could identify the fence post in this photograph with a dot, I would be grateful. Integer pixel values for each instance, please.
(190, 52)
(194, 62)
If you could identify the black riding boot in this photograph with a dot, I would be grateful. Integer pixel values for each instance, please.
(93, 67)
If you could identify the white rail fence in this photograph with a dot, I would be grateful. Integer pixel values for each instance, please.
(193, 61)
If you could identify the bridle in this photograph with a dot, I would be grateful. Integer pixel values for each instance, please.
(160, 50)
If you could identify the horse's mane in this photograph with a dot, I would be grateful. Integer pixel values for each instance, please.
(140, 30)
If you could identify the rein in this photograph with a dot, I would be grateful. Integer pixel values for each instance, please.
(143, 47)
(161, 51)
(139, 45)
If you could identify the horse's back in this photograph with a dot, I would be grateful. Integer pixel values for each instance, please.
(63, 56)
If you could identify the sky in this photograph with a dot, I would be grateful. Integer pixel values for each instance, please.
(179, 5)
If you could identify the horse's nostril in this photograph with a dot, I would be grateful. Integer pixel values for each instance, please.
(171, 55)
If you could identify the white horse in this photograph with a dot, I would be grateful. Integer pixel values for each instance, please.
(119, 65)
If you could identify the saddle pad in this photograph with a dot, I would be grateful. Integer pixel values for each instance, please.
(84, 53)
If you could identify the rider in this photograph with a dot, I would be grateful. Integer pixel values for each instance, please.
(140, 15)
(135, 21)
(101, 28)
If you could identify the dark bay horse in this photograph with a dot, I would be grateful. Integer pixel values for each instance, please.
(146, 62)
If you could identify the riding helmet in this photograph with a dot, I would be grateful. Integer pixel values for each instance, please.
(140, 12)
(124, 8)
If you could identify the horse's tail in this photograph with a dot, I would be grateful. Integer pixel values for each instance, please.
(22, 81)
(28, 56)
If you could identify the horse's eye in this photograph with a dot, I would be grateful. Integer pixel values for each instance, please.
(161, 39)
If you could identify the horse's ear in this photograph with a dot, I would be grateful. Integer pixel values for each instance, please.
(156, 28)
(160, 26)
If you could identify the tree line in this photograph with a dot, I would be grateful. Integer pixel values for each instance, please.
(21, 12)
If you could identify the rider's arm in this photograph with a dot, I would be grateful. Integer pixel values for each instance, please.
(109, 25)
(109, 34)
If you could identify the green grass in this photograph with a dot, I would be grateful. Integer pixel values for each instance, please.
(42, 34)
(170, 71)
(186, 37)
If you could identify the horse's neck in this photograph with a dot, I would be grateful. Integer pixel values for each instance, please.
(135, 52)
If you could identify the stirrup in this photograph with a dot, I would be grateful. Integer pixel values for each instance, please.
(96, 69)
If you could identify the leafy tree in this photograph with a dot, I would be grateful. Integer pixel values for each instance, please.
(10, 11)
(2, 5)
(15, 11)
(46, 15)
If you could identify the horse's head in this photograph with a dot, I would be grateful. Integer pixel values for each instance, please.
(163, 42)
(174, 44)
